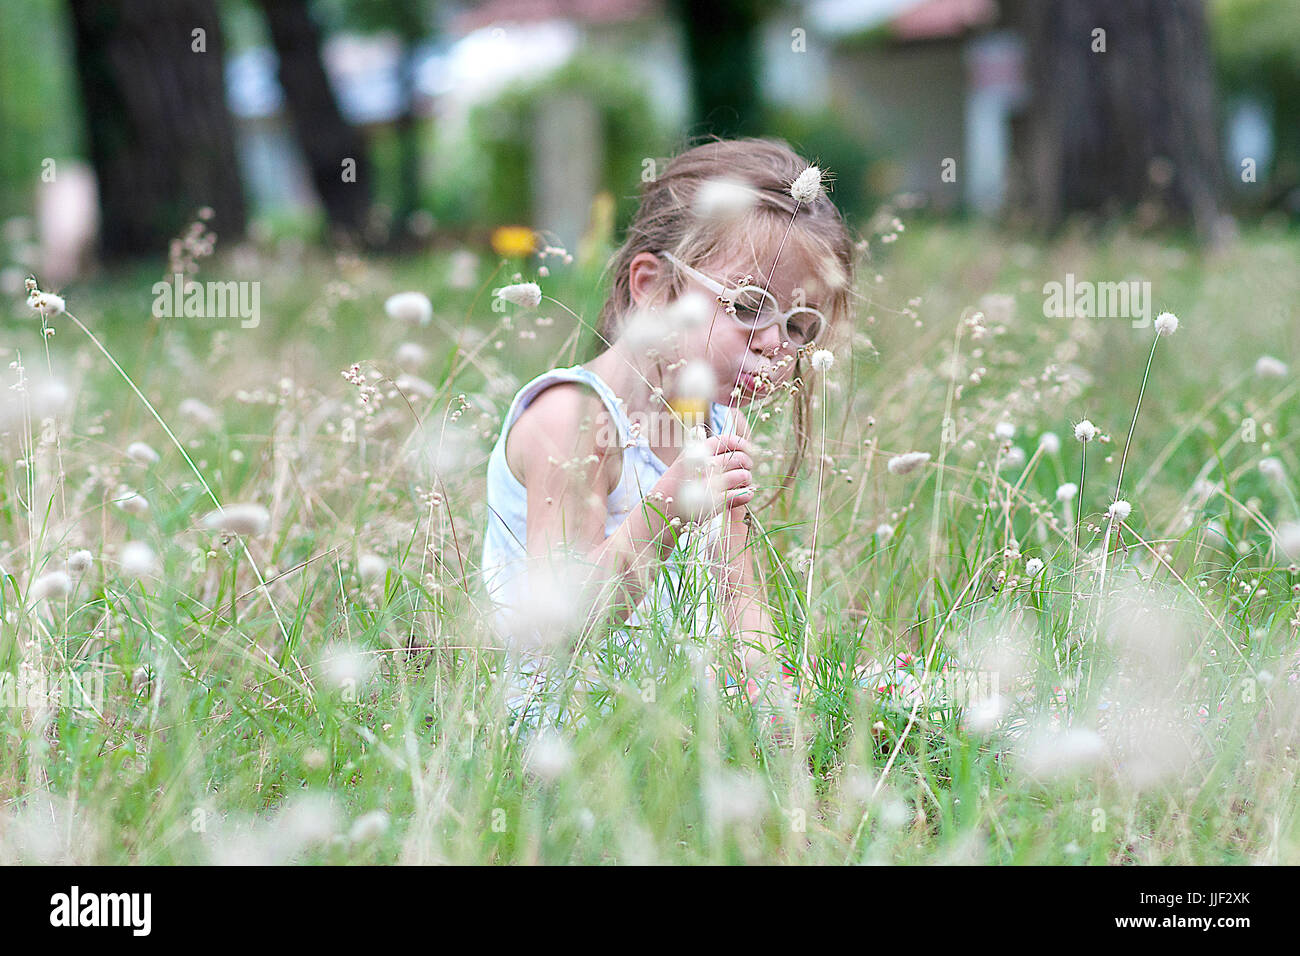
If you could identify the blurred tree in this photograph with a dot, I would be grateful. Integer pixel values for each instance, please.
(161, 139)
(1122, 110)
(326, 139)
(722, 38)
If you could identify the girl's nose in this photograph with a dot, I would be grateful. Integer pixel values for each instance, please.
(766, 341)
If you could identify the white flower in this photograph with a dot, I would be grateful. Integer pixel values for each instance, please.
(1268, 367)
(884, 532)
(1119, 509)
(140, 452)
(138, 559)
(1033, 566)
(246, 519)
(907, 462)
(1013, 459)
(369, 826)
(807, 185)
(1067, 491)
(46, 302)
(371, 566)
(1004, 430)
(131, 502)
(53, 584)
(79, 562)
(724, 199)
(1271, 468)
(823, 359)
(1085, 430)
(1049, 442)
(413, 308)
(526, 294)
(1166, 323)
(411, 356)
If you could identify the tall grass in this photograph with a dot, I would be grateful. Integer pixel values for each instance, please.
(329, 692)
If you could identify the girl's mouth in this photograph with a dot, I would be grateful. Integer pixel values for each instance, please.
(752, 384)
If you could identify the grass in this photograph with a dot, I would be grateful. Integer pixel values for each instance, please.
(353, 708)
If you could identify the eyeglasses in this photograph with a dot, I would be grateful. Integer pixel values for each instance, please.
(755, 308)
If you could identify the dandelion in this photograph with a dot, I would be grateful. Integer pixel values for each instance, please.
(245, 519)
(1271, 468)
(53, 584)
(823, 359)
(1049, 442)
(1085, 431)
(1166, 323)
(724, 199)
(525, 294)
(138, 559)
(413, 308)
(1119, 510)
(1005, 431)
(1033, 566)
(807, 186)
(884, 532)
(369, 827)
(514, 242)
(1266, 366)
(1067, 491)
(79, 562)
(908, 462)
(140, 452)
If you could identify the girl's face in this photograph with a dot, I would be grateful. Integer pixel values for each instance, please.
(747, 361)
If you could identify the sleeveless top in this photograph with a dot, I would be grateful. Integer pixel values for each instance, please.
(504, 545)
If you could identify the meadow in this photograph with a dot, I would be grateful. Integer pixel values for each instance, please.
(310, 678)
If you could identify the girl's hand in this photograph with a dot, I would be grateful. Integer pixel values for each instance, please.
(709, 476)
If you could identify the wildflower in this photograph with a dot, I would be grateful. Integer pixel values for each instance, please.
(514, 242)
(369, 827)
(411, 356)
(414, 308)
(347, 667)
(907, 463)
(1067, 491)
(1271, 468)
(823, 359)
(549, 755)
(724, 199)
(132, 503)
(1013, 459)
(1268, 367)
(1119, 509)
(138, 559)
(688, 311)
(807, 185)
(525, 294)
(1005, 431)
(1085, 431)
(1049, 442)
(53, 584)
(1166, 323)
(245, 519)
(46, 303)
(140, 452)
(1033, 566)
(196, 411)
(1063, 754)
(79, 562)
(884, 532)
(1287, 536)
(371, 566)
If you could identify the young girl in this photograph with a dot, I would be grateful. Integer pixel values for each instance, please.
(724, 285)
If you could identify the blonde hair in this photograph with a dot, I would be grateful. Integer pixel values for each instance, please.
(666, 221)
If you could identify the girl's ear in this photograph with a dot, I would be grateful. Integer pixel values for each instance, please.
(645, 273)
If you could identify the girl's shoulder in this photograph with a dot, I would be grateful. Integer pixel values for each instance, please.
(561, 419)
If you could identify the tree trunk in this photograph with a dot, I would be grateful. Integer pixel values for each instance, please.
(1127, 128)
(324, 136)
(161, 138)
(722, 50)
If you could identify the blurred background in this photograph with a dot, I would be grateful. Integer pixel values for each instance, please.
(390, 124)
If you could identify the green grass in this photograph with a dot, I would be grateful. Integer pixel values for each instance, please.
(232, 722)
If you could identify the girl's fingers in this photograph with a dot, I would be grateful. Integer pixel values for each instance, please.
(737, 478)
(731, 461)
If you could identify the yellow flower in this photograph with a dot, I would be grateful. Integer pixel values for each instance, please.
(514, 241)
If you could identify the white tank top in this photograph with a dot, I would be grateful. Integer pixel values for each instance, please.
(504, 545)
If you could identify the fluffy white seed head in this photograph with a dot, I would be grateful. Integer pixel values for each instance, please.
(549, 755)
(199, 412)
(907, 462)
(413, 308)
(137, 559)
(411, 356)
(1287, 536)
(1062, 754)
(1033, 566)
(46, 302)
(369, 827)
(1085, 431)
(823, 359)
(132, 502)
(1266, 366)
(53, 584)
(1166, 323)
(79, 562)
(139, 451)
(527, 295)
(246, 518)
(1067, 491)
(1119, 509)
(371, 567)
(1272, 469)
(884, 531)
(1049, 442)
(807, 186)
(697, 383)
(724, 199)
(1005, 431)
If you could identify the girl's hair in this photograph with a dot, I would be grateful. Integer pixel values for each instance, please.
(667, 220)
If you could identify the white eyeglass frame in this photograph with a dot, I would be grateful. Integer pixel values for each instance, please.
(729, 295)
